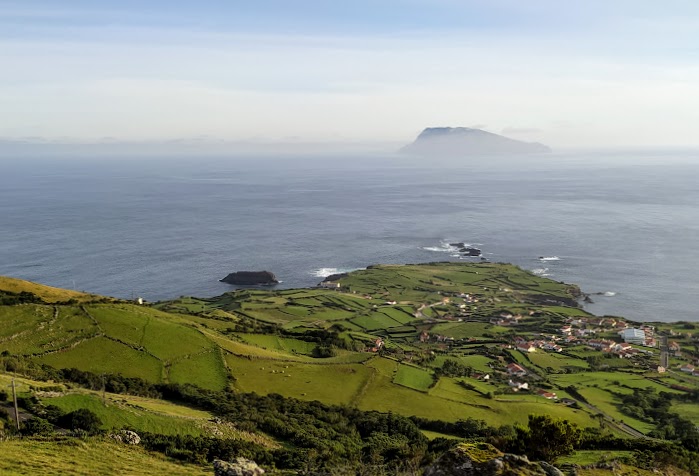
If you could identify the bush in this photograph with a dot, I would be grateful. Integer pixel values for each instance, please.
(81, 419)
(37, 427)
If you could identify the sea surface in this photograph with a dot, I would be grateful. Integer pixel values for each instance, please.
(622, 224)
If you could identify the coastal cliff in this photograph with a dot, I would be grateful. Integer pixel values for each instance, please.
(251, 278)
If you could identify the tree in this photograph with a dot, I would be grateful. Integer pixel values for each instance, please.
(81, 419)
(37, 426)
(549, 438)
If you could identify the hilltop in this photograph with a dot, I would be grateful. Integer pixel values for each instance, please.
(464, 141)
(452, 350)
(13, 287)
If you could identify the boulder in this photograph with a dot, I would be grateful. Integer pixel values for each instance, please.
(482, 459)
(127, 437)
(238, 467)
(251, 278)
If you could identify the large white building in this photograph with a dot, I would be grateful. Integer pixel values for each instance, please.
(634, 336)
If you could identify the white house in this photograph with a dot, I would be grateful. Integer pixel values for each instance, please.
(634, 336)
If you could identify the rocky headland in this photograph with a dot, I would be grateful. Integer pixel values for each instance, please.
(251, 278)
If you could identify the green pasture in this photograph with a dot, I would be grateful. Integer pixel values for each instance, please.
(464, 330)
(94, 456)
(329, 383)
(555, 361)
(205, 370)
(118, 414)
(100, 354)
(413, 377)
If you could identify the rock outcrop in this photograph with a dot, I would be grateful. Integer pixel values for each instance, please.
(127, 437)
(335, 277)
(238, 467)
(464, 141)
(482, 459)
(251, 278)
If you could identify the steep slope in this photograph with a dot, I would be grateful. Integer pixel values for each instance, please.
(47, 294)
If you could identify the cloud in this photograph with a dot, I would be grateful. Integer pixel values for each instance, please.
(150, 81)
(521, 130)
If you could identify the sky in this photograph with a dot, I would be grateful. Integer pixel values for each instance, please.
(573, 73)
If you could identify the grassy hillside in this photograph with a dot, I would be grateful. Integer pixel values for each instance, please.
(77, 457)
(432, 341)
(380, 342)
(46, 293)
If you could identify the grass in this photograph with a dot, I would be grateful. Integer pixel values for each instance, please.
(413, 377)
(104, 355)
(205, 370)
(592, 456)
(464, 330)
(121, 412)
(284, 344)
(555, 361)
(329, 383)
(689, 411)
(610, 405)
(375, 321)
(86, 458)
(17, 319)
(45, 293)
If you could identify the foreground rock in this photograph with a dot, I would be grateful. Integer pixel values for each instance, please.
(127, 437)
(464, 141)
(238, 467)
(251, 278)
(482, 459)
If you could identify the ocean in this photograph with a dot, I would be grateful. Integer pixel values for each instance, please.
(623, 224)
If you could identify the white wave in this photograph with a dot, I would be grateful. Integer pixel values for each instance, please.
(540, 271)
(455, 255)
(447, 249)
(610, 293)
(549, 258)
(325, 272)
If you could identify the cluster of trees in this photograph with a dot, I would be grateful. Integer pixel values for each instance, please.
(81, 420)
(453, 368)
(11, 299)
(652, 406)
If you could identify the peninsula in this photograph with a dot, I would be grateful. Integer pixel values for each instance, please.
(392, 363)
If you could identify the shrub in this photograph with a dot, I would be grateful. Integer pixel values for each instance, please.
(81, 419)
(37, 427)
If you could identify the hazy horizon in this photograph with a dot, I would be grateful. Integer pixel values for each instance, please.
(588, 74)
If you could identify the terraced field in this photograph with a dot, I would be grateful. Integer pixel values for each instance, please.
(369, 333)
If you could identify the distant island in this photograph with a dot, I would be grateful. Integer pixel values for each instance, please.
(464, 141)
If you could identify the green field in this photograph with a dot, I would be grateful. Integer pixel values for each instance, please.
(413, 377)
(117, 414)
(100, 354)
(307, 381)
(267, 341)
(206, 370)
(95, 456)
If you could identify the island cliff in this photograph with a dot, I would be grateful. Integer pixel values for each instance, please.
(464, 141)
(251, 278)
